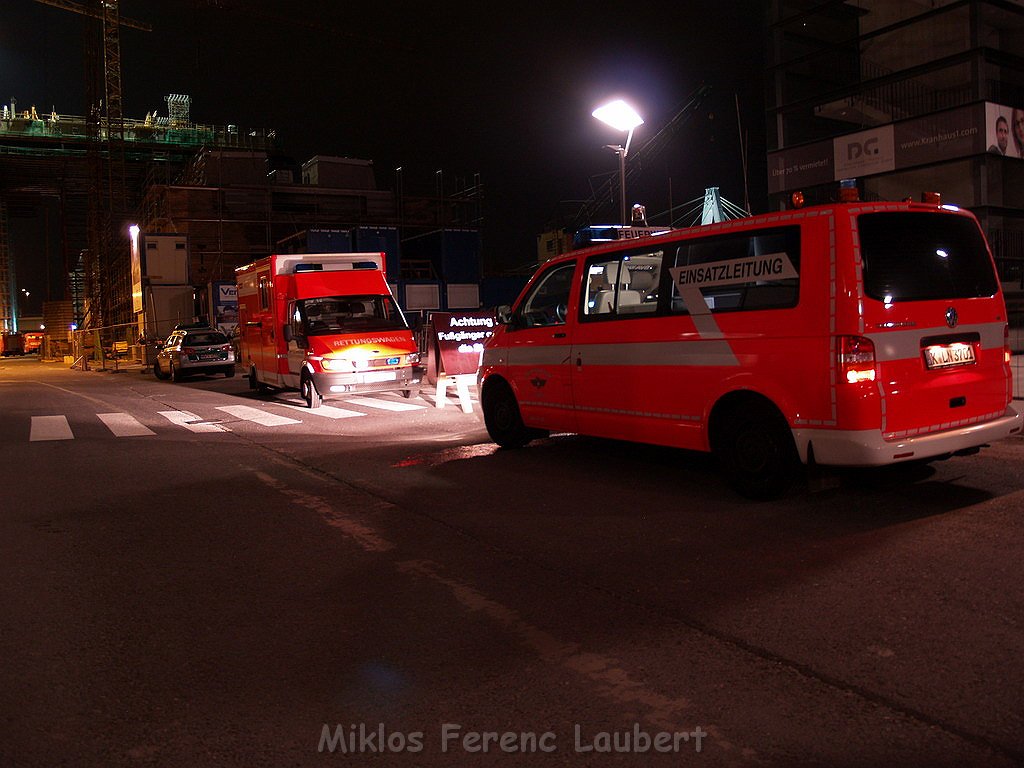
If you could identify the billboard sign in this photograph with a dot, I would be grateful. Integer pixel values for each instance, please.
(864, 153)
(800, 167)
(955, 133)
(224, 305)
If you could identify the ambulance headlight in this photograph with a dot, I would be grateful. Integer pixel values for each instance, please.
(413, 358)
(335, 364)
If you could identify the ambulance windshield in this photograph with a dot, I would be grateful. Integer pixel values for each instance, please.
(350, 314)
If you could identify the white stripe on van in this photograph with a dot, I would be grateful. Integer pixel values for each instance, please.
(548, 354)
(906, 345)
(701, 352)
(695, 417)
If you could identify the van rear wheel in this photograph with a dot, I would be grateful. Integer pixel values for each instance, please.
(757, 452)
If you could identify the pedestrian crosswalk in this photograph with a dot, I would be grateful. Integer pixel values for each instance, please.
(280, 412)
(124, 425)
(50, 428)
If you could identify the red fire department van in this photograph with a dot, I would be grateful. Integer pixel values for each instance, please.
(325, 324)
(853, 334)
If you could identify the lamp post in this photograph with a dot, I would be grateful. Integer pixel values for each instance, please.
(622, 117)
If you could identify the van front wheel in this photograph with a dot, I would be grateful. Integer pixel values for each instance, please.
(757, 452)
(309, 393)
(503, 420)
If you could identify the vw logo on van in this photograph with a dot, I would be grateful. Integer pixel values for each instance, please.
(951, 317)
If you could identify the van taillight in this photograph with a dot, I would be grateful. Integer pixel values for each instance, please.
(1007, 352)
(856, 359)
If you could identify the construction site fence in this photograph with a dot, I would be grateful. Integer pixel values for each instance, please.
(107, 348)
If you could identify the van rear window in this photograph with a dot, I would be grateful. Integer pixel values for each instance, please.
(922, 256)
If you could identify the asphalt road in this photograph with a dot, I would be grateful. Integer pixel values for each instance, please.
(388, 588)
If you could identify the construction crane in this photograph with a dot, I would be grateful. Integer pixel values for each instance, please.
(107, 276)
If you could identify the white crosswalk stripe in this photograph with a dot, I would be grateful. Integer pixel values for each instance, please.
(192, 422)
(328, 411)
(50, 428)
(44, 428)
(124, 425)
(256, 415)
(384, 405)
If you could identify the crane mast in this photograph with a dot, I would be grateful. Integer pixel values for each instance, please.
(105, 266)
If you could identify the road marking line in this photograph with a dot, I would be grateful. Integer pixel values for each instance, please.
(612, 680)
(124, 425)
(384, 405)
(364, 535)
(263, 418)
(325, 410)
(183, 419)
(50, 428)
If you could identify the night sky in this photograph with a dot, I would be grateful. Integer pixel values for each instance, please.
(505, 91)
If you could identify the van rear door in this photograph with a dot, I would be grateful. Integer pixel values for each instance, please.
(934, 311)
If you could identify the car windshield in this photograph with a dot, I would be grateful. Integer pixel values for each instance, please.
(202, 339)
(350, 314)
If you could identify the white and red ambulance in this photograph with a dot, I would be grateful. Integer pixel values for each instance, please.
(325, 324)
(853, 334)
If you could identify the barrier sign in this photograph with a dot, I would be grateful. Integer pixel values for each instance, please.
(460, 339)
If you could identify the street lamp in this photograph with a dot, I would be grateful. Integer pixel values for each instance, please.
(18, 315)
(622, 117)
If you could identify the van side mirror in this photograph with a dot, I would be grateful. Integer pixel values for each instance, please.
(286, 331)
(504, 314)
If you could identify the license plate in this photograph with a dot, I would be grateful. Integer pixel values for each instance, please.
(214, 356)
(948, 355)
(375, 376)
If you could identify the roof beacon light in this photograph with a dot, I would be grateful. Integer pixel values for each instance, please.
(797, 198)
(848, 192)
(932, 198)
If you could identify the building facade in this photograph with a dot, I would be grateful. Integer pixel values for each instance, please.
(904, 96)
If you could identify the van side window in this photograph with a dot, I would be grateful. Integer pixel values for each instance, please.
(622, 285)
(748, 270)
(548, 302)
